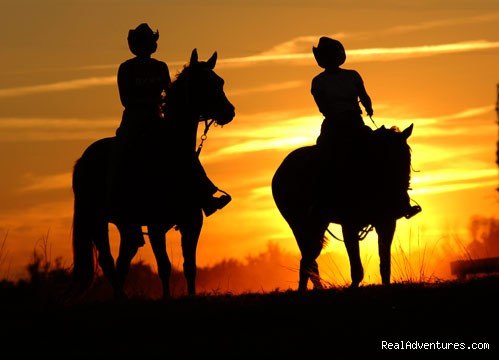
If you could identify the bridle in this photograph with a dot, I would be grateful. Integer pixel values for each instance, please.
(207, 124)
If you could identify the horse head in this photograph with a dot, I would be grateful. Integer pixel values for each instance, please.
(392, 158)
(201, 91)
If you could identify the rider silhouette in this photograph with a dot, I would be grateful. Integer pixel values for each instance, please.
(143, 83)
(337, 93)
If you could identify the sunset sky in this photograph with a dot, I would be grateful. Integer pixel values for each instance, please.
(430, 63)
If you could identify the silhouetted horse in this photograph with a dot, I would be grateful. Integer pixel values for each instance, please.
(196, 94)
(387, 173)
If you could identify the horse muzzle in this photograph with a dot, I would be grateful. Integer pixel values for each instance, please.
(226, 116)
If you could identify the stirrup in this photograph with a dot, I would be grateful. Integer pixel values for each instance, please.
(414, 210)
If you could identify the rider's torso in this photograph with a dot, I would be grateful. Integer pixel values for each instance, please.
(336, 92)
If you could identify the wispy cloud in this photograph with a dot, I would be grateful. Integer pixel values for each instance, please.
(48, 182)
(299, 44)
(58, 86)
(46, 129)
(437, 122)
(277, 55)
(368, 54)
(303, 44)
(58, 124)
(441, 24)
(458, 186)
(449, 176)
(409, 52)
(267, 88)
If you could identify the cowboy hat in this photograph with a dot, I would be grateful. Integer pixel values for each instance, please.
(142, 39)
(329, 52)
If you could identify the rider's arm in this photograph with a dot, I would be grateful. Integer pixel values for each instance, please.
(124, 86)
(364, 98)
(318, 96)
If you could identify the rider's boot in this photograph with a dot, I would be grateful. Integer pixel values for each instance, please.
(214, 203)
(408, 210)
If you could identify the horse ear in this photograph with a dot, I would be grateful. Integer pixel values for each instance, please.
(194, 56)
(408, 131)
(212, 61)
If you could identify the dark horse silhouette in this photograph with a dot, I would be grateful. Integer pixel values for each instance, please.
(388, 166)
(196, 94)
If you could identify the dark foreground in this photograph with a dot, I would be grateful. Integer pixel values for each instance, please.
(331, 322)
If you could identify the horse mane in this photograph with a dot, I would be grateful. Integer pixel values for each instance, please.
(176, 87)
(177, 81)
(183, 73)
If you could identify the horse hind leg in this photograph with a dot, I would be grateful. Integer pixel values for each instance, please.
(157, 237)
(310, 244)
(309, 270)
(315, 276)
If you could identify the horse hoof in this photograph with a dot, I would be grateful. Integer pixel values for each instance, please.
(354, 285)
(318, 286)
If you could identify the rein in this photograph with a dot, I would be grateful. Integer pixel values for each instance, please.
(207, 124)
(362, 233)
(376, 126)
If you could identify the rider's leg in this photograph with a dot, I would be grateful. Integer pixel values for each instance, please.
(207, 190)
(326, 192)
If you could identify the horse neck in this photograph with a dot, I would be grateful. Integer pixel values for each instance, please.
(182, 119)
(177, 103)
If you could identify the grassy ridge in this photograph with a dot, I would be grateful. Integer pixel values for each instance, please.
(332, 321)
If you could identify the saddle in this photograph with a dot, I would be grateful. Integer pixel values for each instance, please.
(146, 182)
(348, 186)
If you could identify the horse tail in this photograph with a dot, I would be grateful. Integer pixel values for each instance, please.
(89, 218)
(83, 246)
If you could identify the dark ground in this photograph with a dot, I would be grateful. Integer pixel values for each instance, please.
(331, 322)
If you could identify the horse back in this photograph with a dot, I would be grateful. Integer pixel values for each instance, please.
(91, 167)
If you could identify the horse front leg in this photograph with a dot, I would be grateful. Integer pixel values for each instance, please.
(131, 238)
(190, 229)
(351, 239)
(385, 231)
(157, 237)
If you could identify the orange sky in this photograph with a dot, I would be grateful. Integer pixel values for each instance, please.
(431, 63)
